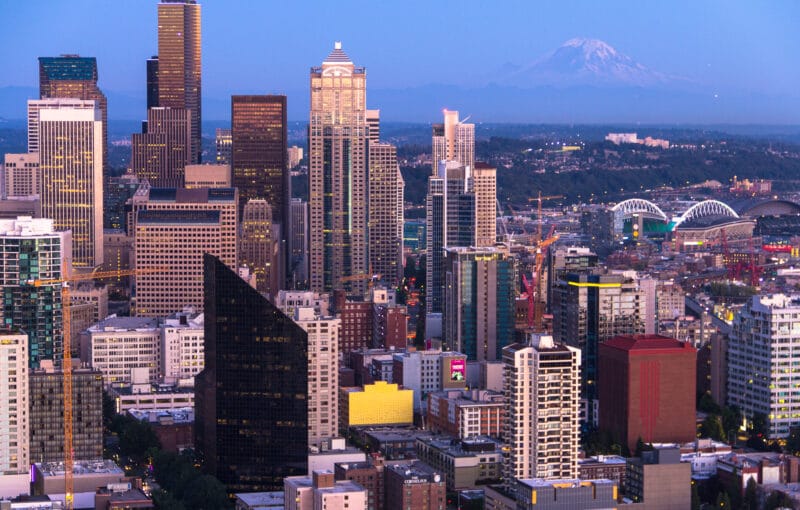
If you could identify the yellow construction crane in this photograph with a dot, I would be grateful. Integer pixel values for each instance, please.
(534, 287)
(539, 212)
(69, 459)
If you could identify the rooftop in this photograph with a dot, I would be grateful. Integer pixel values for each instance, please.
(260, 499)
(646, 342)
(69, 67)
(564, 483)
(150, 217)
(338, 55)
(81, 467)
(114, 323)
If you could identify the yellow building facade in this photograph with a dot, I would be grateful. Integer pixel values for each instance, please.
(377, 404)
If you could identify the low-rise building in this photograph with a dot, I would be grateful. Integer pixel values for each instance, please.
(467, 413)
(117, 345)
(659, 479)
(182, 339)
(465, 463)
(173, 427)
(609, 467)
(47, 478)
(375, 404)
(151, 397)
(259, 501)
(368, 474)
(539, 494)
(322, 492)
(416, 486)
(428, 371)
(328, 453)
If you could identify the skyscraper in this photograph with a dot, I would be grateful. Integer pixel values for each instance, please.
(542, 385)
(179, 66)
(223, 141)
(338, 173)
(260, 246)
(32, 250)
(479, 297)
(161, 153)
(74, 77)
(251, 400)
(258, 130)
(484, 185)
(21, 175)
(70, 138)
(450, 222)
(385, 225)
(453, 141)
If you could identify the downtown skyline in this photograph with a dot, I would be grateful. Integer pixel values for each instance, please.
(700, 46)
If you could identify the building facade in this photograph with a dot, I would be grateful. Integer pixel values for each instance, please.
(70, 138)
(261, 247)
(179, 64)
(542, 384)
(479, 301)
(251, 399)
(21, 175)
(385, 224)
(338, 167)
(162, 151)
(760, 358)
(14, 400)
(32, 250)
(118, 345)
(453, 140)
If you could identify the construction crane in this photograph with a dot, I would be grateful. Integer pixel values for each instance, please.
(66, 367)
(362, 276)
(539, 199)
(534, 287)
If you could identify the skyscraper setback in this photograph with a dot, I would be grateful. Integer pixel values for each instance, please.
(338, 156)
(179, 59)
(453, 140)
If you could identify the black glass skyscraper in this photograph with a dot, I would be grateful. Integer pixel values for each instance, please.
(251, 401)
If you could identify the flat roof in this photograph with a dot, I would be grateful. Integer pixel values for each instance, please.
(81, 467)
(646, 342)
(261, 498)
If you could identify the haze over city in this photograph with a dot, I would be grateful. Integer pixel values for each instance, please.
(727, 62)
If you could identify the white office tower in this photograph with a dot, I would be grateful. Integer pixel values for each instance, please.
(15, 419)
(542, 384)
(68, 135)
(763, 353)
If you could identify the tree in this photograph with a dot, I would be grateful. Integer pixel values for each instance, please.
(205, 492)
(750, 501)
(712, 427)
(707, 404)
(778, 499)
(136, 439)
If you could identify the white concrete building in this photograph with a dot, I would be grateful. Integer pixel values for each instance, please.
(182, 340)
(763, 352)
(290, 300)
(323, 373)
(117, 345)
(14, 396)
(422, 371)
(542, 384)
(322, 492)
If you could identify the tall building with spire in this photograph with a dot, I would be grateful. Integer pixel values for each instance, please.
(179, 59)
(74, 77)
(338, 165)
(453, 140)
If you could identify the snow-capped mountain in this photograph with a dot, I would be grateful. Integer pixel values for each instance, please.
(586, 62)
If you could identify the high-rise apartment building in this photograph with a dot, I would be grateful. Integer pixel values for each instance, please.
(479, 301)
(450, 222)
(47, 414)
(323, 374)
(223, 141)
(179, 59)
(70, 145)
(647, 389)
(32, 250)
(542, 385)
(260, 246)
(259, 165)
(338, 174)
(453, 140)
(251, 400)
(15, 425)
(762, 351)
(161, 152)
(74, 77)
(385, 225)
(21, 175)
(484, 186)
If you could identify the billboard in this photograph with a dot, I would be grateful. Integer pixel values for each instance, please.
(458, 370)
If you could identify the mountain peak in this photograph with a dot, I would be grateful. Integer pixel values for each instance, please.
(585, 61)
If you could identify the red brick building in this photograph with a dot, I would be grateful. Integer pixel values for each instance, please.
(356, 326)
(415, 486)
(647, 389)
(466, 413)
